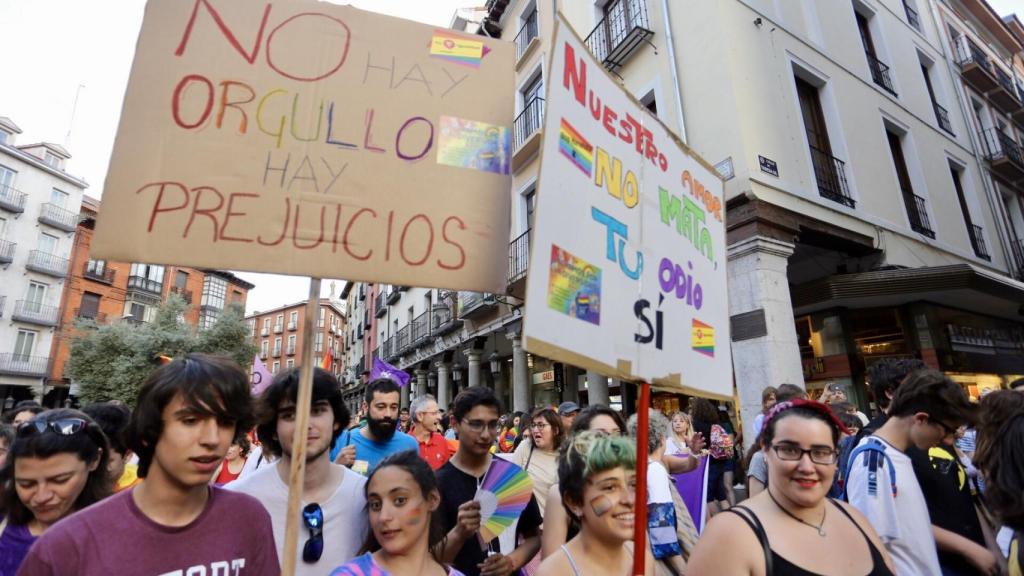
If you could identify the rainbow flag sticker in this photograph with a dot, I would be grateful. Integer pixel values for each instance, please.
(703, 338)
(576, 148)
(457, 49)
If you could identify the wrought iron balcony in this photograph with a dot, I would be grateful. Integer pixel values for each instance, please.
(53, 215)
(420, 331)
(619, 34)
(912, 17)
(472, 303)
(518, 258)
(1005, 96)
(387, 350)
(97, 317)
(263, 354)
(529, 121)
(23, 365)
(880, 73)
(290, 350)
(393, 294)
(265, 331)
(380, 308)
(403, 339)
(46, 263)
(830, 174)
(277, 351)
(292, 326)
(278, 328)
(978, 242)
(12, 200)
(6, 251)
(186, 295)
(145, 284)
(32, 312)
(1003, 154)
(527, 32)
(917, 210)
(444, 313)
(1017, 267)
(974, 64)
(943, 117)
(103, 274)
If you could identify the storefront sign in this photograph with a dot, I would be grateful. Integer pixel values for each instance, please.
(628, 265)
(544, 377)
(302, 137)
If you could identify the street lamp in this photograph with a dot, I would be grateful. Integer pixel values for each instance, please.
(495, 362)
(457, 372)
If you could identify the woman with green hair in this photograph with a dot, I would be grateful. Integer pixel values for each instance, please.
(597, 483)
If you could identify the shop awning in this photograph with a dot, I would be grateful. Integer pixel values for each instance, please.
(961, 286)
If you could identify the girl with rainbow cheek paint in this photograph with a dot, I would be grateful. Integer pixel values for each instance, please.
(402, 500)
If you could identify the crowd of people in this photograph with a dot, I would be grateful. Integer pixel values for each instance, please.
(195, 480)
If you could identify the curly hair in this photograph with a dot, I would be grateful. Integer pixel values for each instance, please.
(704, 411)
(657, 429)
(999, 457)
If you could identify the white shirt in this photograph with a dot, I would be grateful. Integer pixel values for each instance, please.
(902, 522)
(345, 518)
(674, 448)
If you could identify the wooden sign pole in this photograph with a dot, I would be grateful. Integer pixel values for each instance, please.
(302, 406)
(643, 417)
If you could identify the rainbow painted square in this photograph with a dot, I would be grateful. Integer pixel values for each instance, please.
(477, 145)
(576, 148)
(457, 49)
(703, 338)
(574, 287)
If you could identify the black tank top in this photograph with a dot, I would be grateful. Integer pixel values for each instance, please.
(776, 565)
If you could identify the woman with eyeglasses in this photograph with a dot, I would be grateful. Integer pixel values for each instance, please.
(810, 534)
(538, 454)
(597, 482)
(57, 465)
(559, 527)
(402, 499)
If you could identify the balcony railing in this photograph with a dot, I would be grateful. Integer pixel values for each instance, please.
(978, 242)
(830, 173)
(526, 33)
(23, 365)
(387, 350)
(917, 210)
(528, 122)
(943, 117)
(420, 331)
(967, 52)
(1017, 248)
(53, 215)
(46, 263)
(444, 313)
(472, 302)
(12, 199)
(34, 312)
(265, 331)
(145, 284)
(278, 328)
(1005, 81)
(277, 351)
(290, 350)
(912, 17)
(6, 251)
(99, 274)
(292, 326)
(403, 339)
(518, 257)
(97, 317)
(1000, 146)
(186, 295)
(380, 308)
(393, 294)
(619, 34)
(880, 73)
(263, 354)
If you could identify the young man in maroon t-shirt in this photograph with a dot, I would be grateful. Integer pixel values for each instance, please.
(187, 415)
(434, 448)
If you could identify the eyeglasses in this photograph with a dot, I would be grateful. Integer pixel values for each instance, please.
(945, 428)
(539, 425)
(818, 454)
(478, 426)
(64, 427)
(313, 517)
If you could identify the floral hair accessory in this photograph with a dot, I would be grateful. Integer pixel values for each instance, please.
(818, 407)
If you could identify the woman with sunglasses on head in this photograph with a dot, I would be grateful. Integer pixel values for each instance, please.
(57, 465)
(597, 483)
(810, 534)
(538, 454)
(559, 527)
(402, 500)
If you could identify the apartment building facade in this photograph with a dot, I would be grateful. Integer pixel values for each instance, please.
(39, 205)
(107, 291)
(278, 335)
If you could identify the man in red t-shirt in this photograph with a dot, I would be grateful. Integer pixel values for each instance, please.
(434, 449)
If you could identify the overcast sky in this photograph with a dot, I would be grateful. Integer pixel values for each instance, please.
(58, 51)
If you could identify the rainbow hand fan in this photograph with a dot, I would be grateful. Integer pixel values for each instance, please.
(503, 495)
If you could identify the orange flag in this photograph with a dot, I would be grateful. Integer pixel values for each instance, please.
(327, 361)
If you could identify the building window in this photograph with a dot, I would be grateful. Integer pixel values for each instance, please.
(181, 279)
(214, 290)
(4, 135)
(916, 208)
(24, 345)
(207, 318)
(277, 367)
(319, 342)
(974, 232)
(264, 348)
(291, 344)
(36, 293)
(152, 273)
(293, 318)
(289, 363)
(829, 171)
(59, 198)
(650, 102)
(880, 72)
(252, 327)
(6, 180)
(51, 160)
(48, 243)
(530, 200)
(90, 306)
(277, 346)
(912, 16)
(96, 267)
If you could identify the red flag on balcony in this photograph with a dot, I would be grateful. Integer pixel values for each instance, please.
(327, 361)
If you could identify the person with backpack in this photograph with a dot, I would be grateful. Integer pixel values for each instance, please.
(791, 528)
(720, 448)
(880, 479)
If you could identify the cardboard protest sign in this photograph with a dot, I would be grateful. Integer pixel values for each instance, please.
(628, 264)
(307, 138)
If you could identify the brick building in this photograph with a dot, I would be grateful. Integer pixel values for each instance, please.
(278, 335)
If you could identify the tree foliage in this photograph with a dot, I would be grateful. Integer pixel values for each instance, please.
(111, 362)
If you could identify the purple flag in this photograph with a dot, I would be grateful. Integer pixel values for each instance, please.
(382, 369)
(261, 377)
(693, 487)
